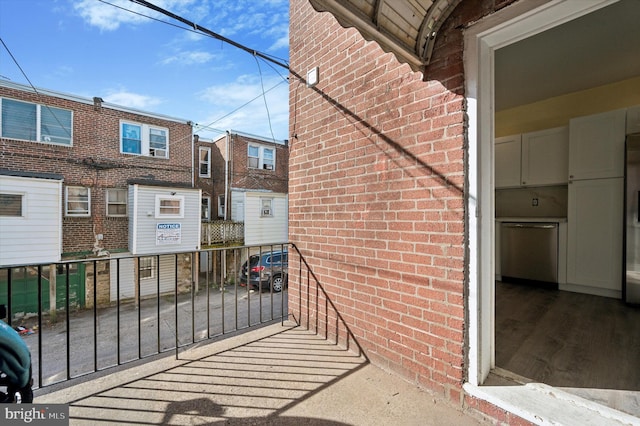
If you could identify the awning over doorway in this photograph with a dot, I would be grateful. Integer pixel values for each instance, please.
(406, 28)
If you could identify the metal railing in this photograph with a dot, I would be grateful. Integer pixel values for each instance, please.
(84, 316)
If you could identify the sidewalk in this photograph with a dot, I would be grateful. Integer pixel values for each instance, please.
(270, 376)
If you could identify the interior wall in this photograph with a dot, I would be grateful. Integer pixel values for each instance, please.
(518, 202)
(557, 111)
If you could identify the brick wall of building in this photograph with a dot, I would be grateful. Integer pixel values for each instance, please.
(377, 192)
(240, 175)
(246, 177)
(95, 161)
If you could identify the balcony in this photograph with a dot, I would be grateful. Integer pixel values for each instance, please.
(207, 350)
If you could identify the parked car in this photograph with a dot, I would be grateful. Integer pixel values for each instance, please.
(268, 270)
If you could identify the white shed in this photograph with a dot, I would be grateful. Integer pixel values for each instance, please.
(30, 218)
(266, 218)
(163, 219)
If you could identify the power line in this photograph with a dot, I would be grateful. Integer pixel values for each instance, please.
(209, 32)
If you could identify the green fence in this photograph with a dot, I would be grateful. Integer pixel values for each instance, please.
(24, 287)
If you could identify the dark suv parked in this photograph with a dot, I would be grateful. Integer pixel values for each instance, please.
(266, 270)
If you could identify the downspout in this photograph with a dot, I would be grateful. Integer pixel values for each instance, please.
(193, 160)
(226, 175)
(226, 200)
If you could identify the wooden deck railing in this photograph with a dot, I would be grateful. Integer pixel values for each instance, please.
(222, 232)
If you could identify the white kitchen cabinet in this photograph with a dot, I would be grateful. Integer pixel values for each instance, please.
(594, 246)
(532, 159)
(545, 157)
(633, 120)
(596, 145)
(507, 161)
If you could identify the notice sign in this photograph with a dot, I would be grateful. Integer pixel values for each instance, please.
(168, 233)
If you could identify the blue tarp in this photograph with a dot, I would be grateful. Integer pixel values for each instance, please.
(15, 358)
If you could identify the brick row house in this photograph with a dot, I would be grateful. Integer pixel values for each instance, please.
(252, 173)
(396, 192)
(82, 179)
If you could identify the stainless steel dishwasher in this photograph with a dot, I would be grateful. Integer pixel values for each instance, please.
(529, 251)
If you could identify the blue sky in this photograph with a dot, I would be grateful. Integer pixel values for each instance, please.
(93, 48)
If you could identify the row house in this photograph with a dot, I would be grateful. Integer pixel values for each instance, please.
(251, 172)
(81, 178)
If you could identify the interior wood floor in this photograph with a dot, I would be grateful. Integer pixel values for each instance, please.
(581, 342)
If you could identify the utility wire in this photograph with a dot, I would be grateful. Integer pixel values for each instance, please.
(209, 32)
(53, 114)
(264, 98)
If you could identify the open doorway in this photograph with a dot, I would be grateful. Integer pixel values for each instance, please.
(569, 330)
(533, 401)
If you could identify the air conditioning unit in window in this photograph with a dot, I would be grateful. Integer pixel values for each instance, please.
(266, 212)
(158, 152)
(268, 167)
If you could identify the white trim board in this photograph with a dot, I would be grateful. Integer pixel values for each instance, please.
(538, 403)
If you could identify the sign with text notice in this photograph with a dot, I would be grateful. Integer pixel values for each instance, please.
(168, 233)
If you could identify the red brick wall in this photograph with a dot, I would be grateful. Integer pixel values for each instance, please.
(377, 192)
(240, 175)
(245, 177)
(95, 161)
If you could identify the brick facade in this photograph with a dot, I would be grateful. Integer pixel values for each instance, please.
(377, 192)
(240, 175)
(95, 161)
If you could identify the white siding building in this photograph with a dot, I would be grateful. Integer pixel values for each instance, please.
(266, 218)
(30, 218)
(163, 219)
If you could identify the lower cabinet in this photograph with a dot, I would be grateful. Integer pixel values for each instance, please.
(594, 237)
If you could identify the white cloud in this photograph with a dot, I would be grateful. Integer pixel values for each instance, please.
(189, 58)
(109, 17)
(240, 105)
(132, 100)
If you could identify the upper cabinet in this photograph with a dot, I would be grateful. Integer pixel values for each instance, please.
(507, 165)
(545, 157)
(596, 146)
(532, 159)
(633, 120)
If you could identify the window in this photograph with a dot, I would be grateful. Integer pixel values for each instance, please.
(142, 139)
(206, 208)
(169, 206)
(11, 205)
(33, 122)
(266, 210)
(221, 206)
(268, 162)
(146, 267)
(205, 162)
(77, 201)
(260, 157)
(116, 202)
(254, 157)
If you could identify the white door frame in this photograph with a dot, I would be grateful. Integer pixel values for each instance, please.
(513, 23)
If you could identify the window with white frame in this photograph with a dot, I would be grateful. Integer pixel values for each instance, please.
(34, 122)
(205, 161)
(205, 208)
(266, 207)
(77, 201)
(11, 205)
(169, 206)
(142, 139)
(221, 206)
(116, 202)
(146, 267)
(261, 157)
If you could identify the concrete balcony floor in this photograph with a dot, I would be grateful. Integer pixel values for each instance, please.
(274, 375)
